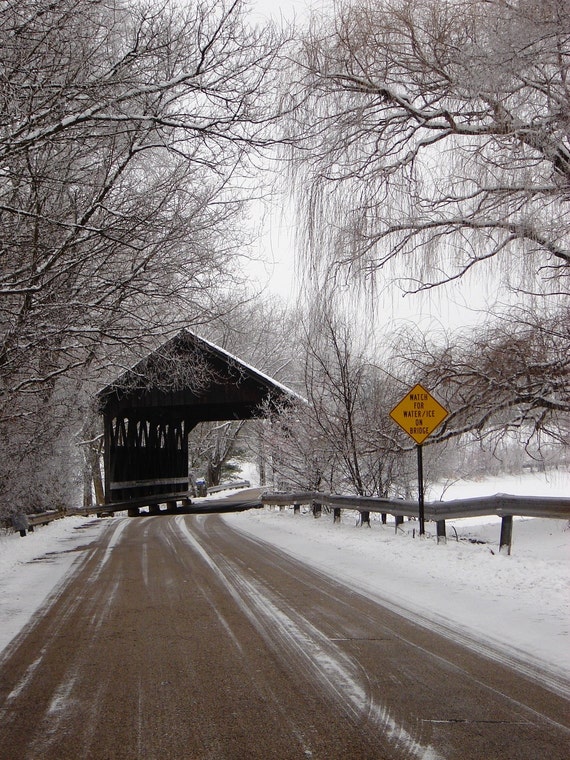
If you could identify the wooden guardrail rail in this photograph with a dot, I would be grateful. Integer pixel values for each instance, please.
(505, 506)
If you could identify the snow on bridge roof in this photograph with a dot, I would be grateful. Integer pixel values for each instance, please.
(191, 372)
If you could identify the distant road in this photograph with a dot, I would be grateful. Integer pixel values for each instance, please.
(243, 499)
(179, 638)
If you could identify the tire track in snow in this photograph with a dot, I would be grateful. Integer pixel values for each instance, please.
(88, 608)
(113, 541)
(265, 688)
(289, 632)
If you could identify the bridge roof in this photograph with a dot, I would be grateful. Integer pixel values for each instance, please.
(191, 378)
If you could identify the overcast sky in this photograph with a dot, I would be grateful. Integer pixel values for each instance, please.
(286, 9)
(459, 304)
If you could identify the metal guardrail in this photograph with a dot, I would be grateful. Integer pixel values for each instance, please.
(23, 523)
(229, 485)
(499, 504)
(505, 506)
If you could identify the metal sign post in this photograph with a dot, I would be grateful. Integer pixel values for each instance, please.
(418, 414)
(421, 515)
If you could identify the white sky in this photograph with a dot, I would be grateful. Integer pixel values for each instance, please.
(461, 304)
(276, 247)
(286, 9)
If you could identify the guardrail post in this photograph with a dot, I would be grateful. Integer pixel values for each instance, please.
(336, 515)
(399, 519)
(506, 534)
(317, 509)
(365, 518)
(296, 509)
(21, 523)
(383, 518)
(441, 534)
(421, 515)
(133, 512)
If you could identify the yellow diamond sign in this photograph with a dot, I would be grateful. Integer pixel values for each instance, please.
(418, 413)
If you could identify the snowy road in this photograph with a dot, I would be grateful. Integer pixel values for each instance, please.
(180, 638)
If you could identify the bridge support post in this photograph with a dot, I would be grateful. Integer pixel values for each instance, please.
(441, 534)
(317, 509)
(365, 518)
(398, 519)
(133, 512)
(336, 515)
(383, 518)
(506, 534)
(296, 509)
(171, 506)
(154, 509)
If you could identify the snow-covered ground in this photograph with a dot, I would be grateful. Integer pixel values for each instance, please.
(516, 606)
(512, 607)
(550, 483)
(32, 567)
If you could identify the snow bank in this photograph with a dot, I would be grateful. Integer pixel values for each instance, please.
(31, 568)
(549, 483)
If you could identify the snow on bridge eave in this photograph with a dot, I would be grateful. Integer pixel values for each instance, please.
(198, 342)
(266, 379)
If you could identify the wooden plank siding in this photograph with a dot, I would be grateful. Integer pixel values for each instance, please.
(150, 409)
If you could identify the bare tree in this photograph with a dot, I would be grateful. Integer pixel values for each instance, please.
(126, 131)
(435, 148)
(436, 133)
(212, 449)
(299, 455)
(338, 439)
(124, 128)
(510, 381)
(334, 377)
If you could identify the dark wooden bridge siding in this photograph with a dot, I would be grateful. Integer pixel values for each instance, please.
(146, 457)
(150, 410)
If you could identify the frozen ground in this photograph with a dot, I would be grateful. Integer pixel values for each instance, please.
(516, 606)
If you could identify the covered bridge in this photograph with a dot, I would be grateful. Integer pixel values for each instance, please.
(150, 409)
